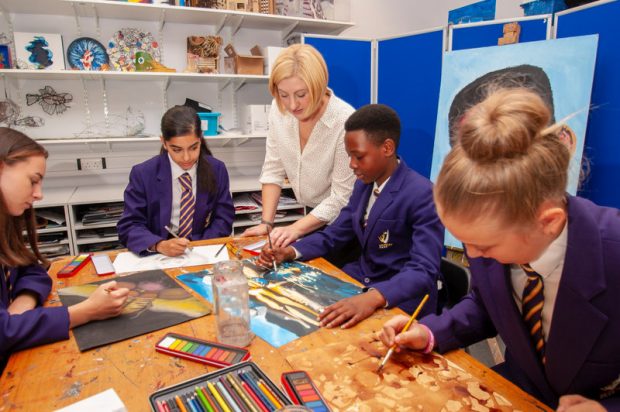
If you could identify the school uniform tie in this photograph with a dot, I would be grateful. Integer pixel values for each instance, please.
(375, 193)
(532, 305)
(186, 218)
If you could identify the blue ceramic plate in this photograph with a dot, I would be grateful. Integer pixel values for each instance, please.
(86, 53)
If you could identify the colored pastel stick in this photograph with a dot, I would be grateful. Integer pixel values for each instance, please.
(227, 397)
(180, 404)
(202, 400)
(218, 397)
(255, 398)
(250, 381)
(240, 392)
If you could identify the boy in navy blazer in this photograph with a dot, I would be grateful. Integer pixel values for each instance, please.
(390, 214)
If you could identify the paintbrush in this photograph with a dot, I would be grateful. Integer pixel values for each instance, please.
(275, 267)
(405, 329)
(176, 236)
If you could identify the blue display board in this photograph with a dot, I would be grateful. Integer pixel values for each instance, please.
(486, 34)
(602, 144)
(349, 63)
(409, 76)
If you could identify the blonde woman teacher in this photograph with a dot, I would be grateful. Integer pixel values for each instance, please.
(305, 143)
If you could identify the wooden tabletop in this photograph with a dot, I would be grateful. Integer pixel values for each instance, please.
(55, 375)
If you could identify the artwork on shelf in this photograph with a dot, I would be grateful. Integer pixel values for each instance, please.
(10, 115)
(5, 57)
(203, 54)
(155, 301)
(51, 102)
(130, 123)
(300, 8)
(86, 53)
(560, 71)
(145, 63)
(285, 303)
(39, 51)
(124, 44)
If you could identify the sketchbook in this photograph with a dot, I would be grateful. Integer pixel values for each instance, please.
(199, 255)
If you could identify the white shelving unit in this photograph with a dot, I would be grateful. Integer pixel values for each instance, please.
(55, 200)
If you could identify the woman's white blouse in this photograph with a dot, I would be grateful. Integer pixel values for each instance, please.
(320, 175)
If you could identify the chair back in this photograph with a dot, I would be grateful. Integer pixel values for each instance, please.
(456, 282)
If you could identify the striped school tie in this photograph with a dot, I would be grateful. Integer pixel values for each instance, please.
(186, 218)
(532, 305)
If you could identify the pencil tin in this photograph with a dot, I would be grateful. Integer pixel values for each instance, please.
(203, 351)
(243, 387)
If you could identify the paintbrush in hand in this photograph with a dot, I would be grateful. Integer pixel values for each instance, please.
(275, 267)
(405, 329)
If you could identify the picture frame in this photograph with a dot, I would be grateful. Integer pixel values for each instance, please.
(5, 57)
(39, 51)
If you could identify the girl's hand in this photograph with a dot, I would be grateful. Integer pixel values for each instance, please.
(172, 247)
(415, 338)
(105, 302)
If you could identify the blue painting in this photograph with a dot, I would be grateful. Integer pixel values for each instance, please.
(284, 304)
(39, 51)
(561, 71)
(480, 11)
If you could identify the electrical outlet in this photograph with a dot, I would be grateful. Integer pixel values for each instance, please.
(92, 163)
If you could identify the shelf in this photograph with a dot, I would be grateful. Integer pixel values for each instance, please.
(175, 14)
(97, 194)
(54, 196)
(248, 184)
(260, 209)
(79, 226)
(92, 240)
(32, 74)
(222, 139)
(52, 229)
(249, 222)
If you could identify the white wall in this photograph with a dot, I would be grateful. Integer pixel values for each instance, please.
(386, 18)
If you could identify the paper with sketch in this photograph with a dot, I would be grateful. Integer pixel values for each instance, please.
(200, 255)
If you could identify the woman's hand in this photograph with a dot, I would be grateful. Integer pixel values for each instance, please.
(172, 247)
(105, 302)
(415, 338)
(284, 235)
(258, 230)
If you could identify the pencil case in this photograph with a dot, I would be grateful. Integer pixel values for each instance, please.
(243, 387)
(203, 351)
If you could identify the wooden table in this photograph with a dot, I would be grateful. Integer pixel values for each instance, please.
(55, 375)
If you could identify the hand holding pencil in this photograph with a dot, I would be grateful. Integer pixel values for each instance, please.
(404, 331)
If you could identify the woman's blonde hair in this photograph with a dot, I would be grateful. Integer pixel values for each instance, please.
(507, 160)
(305, 62)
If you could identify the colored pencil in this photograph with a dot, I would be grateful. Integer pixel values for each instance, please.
(254, 397)
(241, 393)
(254, 385)
(272, 396)
(180, 404)
(234, 395)
(203, 400)
(405, 329)
(218, 397)
(227, 397)
(212, 402)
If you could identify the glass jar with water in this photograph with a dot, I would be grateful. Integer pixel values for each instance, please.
(231, 301)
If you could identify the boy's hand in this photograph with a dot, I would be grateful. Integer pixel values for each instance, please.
(349, 312)
(415, 338)
(577, 403)
(172, 247)
(268, 255)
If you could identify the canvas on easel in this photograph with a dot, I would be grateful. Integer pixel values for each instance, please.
(155, 302)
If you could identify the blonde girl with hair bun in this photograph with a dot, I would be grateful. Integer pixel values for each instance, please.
(501, 192)
(305, 144)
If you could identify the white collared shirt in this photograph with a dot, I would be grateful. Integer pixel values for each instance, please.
(177, 190)
(549, 266)
(320, 175)
(373, 197)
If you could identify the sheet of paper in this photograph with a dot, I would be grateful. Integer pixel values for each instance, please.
(106, 401)
(200, 255)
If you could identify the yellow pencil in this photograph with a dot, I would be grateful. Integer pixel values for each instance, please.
(405, 329)
(268, 394)
(218, 397)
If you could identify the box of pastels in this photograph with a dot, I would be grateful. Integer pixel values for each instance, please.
(241, 387)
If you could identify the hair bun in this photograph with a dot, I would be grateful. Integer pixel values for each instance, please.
(504, 125)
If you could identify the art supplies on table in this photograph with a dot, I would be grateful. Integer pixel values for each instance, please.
(302, 391)
(155, 302)
(203, 351)
(284, 304)
(103, 264)
(73, 267)
(255, 248)
(199, 255)
(241, 387)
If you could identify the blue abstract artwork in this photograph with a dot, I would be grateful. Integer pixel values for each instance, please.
(564, 68)
(480, 11)
(284, 304)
